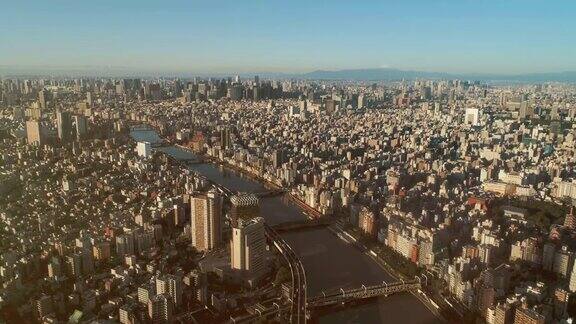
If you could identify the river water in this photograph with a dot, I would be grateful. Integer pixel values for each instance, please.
(329, 262)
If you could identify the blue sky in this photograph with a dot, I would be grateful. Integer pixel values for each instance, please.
(500, 36)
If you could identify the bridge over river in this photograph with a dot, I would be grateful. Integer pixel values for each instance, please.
(337, 297)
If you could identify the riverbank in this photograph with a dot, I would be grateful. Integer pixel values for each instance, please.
(344, 235)
(330, 262)
(336, 229)
(307, 209)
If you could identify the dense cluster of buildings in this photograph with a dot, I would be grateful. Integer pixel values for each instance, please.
(470, 182)
(97, 226)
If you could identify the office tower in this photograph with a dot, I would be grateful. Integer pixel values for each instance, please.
(144, 149)
(472, 116)
(64, 125)
(87, 260)
(426, 93)
(572, 284)
(89, 99)
(225, 141)
(257, 93)
(171, 286)
(81, 126)
(235, 92)
(361, 101)
(43, 98)
(206, 213)
(244, 206)
(27, 86)
(330, 105)
(278, 158)
(155, 91)
(548, 253)
(120, 87)
(256, 80)
(160, 309)
(177, 88)
(248, 247)
(34, 132)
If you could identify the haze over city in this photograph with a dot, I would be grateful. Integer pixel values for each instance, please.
(510, 37)
(288, 162)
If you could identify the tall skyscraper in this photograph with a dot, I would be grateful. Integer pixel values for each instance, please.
(225, 140)
(43, 98)
(81, 126)
(89, 98)
(572, 284)
(244, 206)
(206, 214)
(248, 247)
(34, 132)
(278, 158)
(361, 101)
(64, 125)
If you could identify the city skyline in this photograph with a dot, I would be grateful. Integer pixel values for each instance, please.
(256, 161)
(471, 37)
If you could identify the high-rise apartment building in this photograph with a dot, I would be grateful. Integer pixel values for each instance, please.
(44, 306)
(367, 221)
(572, 284)
(206, 218)
(43, 98)
(64, 125)
(248, 247)
(527, 316)
(144, 149)
(160, 309)
(503, 314)
(171, 286)
(34, 132)
(81, 126)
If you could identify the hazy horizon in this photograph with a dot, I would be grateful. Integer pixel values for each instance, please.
(512, 37)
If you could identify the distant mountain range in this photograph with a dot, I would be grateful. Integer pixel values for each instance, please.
(389, 74)
(369, 74)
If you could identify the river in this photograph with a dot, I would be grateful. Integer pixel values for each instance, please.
(329, 262)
